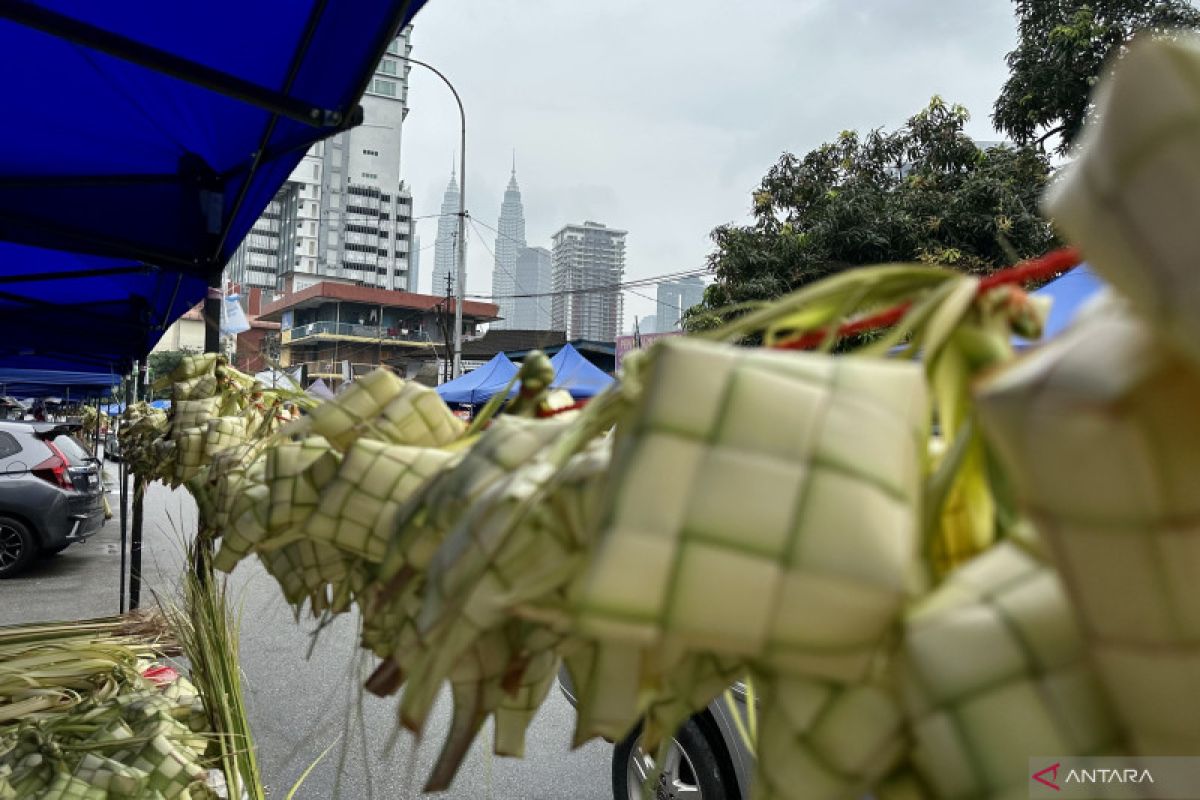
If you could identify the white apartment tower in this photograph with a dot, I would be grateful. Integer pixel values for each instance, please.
(445, 246)
(510, 241)
(352, 211)
(588, 259)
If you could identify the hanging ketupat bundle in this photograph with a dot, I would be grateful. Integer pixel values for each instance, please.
(1101, 431)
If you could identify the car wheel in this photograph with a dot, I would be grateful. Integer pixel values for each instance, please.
(17, 547)
(692, 770)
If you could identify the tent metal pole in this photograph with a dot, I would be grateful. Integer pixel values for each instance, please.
(123, 477)
(212, 344)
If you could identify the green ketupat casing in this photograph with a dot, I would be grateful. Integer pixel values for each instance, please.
(749, 484)
(1101, 433)
(993, 672)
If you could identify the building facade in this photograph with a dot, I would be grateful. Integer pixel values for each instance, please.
(531, 308)
(345, 212)
(674, 298)
(510, 242)
(445, 246)
(589, 263)
(340, 330)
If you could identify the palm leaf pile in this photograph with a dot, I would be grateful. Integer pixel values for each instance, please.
(84, 716)
(852, 532)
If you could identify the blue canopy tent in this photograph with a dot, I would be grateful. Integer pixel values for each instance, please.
(45, 383)
(479, 385)
(145, 139)
(120, 207)
(577, 375)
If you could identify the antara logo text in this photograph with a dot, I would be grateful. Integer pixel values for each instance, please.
(1049, 776)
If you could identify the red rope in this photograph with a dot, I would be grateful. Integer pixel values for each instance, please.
(1034, 269)
(546, 413)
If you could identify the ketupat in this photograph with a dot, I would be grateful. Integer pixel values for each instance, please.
(815, 510)
(993, 672)
(362, 401)
(1102, 436)
(1127, 199)
(358, 509)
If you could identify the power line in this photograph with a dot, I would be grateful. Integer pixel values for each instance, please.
(483, 241)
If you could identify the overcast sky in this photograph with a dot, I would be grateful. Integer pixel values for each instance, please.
(661, 116)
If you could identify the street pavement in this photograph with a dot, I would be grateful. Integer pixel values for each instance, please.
(302, 686)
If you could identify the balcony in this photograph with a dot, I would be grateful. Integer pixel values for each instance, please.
(346, 330)
(332, 370)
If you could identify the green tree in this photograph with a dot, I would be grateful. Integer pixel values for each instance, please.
(925, 192)
(1062, 50)
(163, 362)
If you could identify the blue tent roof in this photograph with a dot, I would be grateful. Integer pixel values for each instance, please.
(148, 133)
(43, 383)
(577, 375)
(478, 385)
(1067, 294)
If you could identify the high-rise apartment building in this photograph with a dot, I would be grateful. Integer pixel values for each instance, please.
(445, 246)
(510, 241)
(352, 215)
(588, 260)
(530, 310)
(674, 298)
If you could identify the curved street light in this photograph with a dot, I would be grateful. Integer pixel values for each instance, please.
(460, 292)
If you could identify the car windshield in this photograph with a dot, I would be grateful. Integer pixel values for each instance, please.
(72, 448)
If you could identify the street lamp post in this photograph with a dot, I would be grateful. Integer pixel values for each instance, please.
(460, 289)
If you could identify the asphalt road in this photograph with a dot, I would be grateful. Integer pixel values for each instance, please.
(301, 702)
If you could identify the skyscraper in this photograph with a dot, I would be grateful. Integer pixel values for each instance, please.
(352, 214)
(445, 246)
(674, 298)
(535, 276)
(510, 241)
(588, 259)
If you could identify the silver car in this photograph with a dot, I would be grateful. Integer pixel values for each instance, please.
(51, 492)
(707, 760)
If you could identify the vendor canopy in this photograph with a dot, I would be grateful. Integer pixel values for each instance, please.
(145, 138)
(47, 383)
(577, 375)
(478, 385)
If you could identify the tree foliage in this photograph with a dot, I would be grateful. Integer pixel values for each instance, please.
(1062, 50)
(925, 192)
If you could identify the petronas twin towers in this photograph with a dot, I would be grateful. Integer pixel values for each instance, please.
(521, 276)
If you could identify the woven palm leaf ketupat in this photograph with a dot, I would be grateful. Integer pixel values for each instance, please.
(993, 672)
(1101, 431)
(358, 509)
(717, 527)
(360, 403)
(1129, 200)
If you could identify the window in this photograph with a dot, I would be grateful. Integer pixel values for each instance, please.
(394, 47)
(388, 67)
(8, 445)
(370, 152)
(316, 171)
(371, 176)
(384, 87)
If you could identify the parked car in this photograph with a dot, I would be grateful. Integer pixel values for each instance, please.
(708, 760)
(51, 492)
(112, 446)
